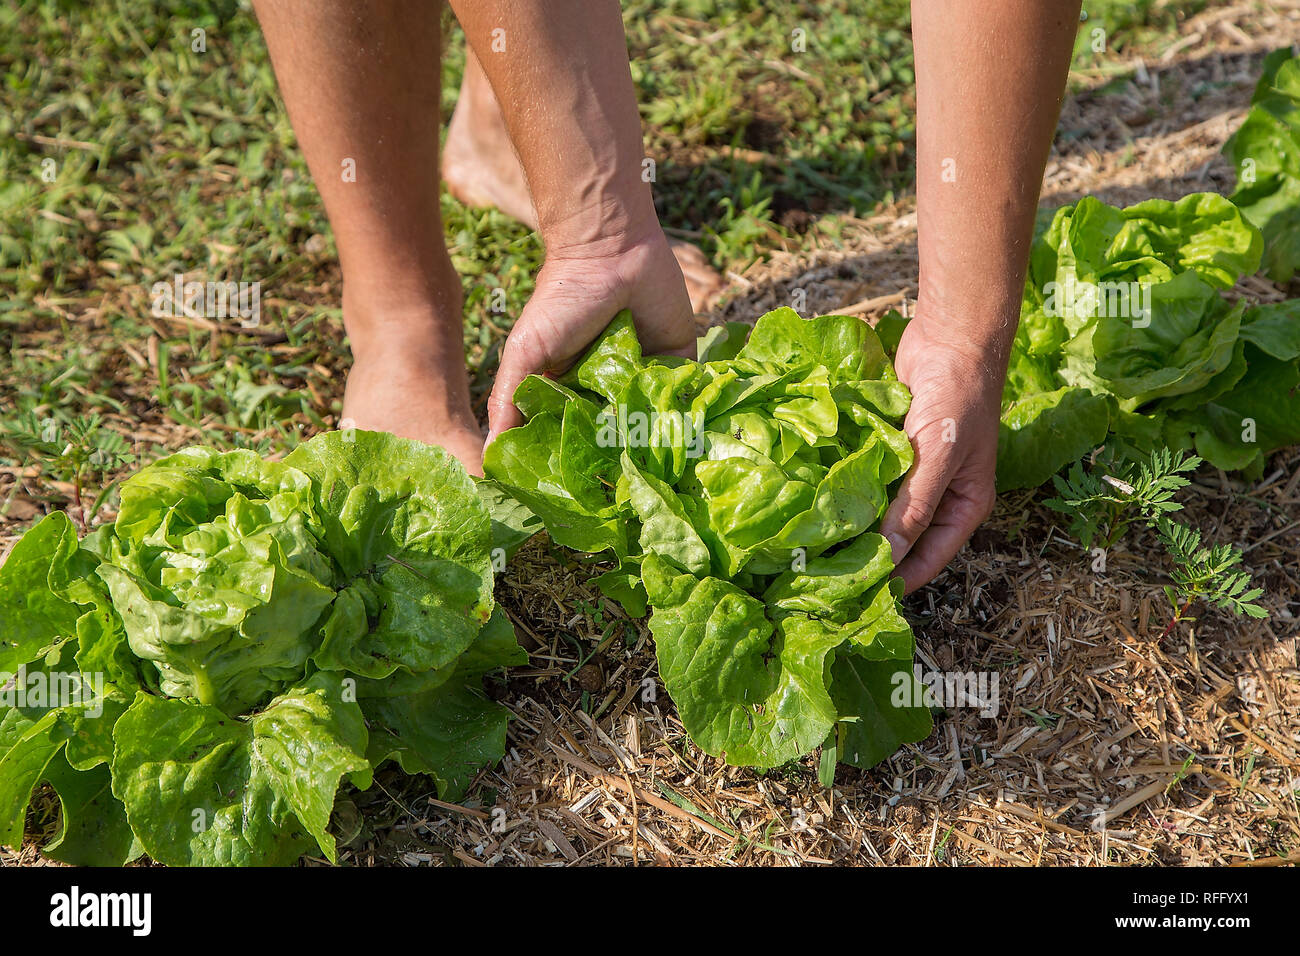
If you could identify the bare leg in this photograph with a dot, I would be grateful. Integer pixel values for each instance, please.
(481, 168)
(361, 83)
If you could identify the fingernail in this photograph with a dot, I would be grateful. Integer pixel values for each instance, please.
(897, 548)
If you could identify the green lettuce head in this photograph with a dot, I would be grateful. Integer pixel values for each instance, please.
(1265, 153)
(739, 494)
(264, 632)
(217, 575)
(1127, 340)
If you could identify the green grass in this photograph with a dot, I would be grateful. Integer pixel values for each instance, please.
(166, 160)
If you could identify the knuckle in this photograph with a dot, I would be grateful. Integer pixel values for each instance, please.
(915, 518)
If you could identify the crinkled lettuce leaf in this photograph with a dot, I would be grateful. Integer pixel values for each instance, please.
(202, 788)
(1265, 153)
(1189, 341)
(754, 678)
(453, 730)
(847, 348)
(403, 521)
(217, 574)
(230, 629)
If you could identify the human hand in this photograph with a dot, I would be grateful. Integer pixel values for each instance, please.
(579, 291)
(953, 425)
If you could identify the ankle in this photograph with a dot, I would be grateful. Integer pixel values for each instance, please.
(386, 386)
(419, 329)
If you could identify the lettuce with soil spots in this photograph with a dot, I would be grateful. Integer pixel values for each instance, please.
(196, 680)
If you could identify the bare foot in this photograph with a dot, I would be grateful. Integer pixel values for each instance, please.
(704, 284)
(479, 164)
(480, 169)
(408, 377)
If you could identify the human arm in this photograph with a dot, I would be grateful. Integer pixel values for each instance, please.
(560, 72)
(989, 79)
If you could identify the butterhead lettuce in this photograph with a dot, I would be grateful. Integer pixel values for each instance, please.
(200, 677)
(1127, 340)
(739, 495)
(1265, 154)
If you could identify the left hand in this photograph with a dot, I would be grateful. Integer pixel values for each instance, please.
(953, 425)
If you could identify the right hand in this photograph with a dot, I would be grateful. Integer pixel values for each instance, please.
(579, 291)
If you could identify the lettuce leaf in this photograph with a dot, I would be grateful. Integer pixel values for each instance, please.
(201, 788)
(404, 522)
(848, 350)
(1236, 430)
(33, 618)
(217, 575)
(452, 730)
(867, 691)
(1265, 152)
(93, 828)
(1274, 329)
(1045, 430)
(28, 744)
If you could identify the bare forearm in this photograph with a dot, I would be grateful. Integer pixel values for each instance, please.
(989, 76)
(559, 69)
